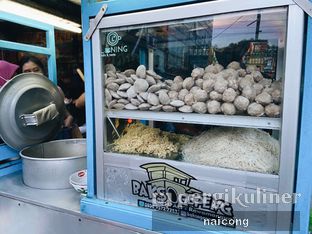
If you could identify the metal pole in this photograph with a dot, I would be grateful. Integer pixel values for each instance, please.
(258, 26)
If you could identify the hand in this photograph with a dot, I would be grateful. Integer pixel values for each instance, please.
(79, 102)
(68, 121)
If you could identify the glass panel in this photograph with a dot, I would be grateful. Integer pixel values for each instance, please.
(22, 34)
(234, 60)
(16, 57)
(244, 149)
(229, 64)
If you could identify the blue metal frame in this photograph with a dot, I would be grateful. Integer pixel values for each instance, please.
(5, 151)
(10, 167)
(304, 172)
(49, 50)
(118, 212)
(87, 59)
(119, 6)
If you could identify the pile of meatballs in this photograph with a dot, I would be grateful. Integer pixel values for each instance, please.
(214, 90)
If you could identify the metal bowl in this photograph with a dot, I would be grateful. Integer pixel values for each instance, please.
(49, 165)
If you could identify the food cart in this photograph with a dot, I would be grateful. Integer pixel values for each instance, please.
(167, 188)
(142, 60)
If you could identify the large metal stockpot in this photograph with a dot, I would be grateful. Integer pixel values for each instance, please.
(49, 165)
(32, 111)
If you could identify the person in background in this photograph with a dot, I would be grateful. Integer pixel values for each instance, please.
(33, 64)
(73, 87)
(7, 71)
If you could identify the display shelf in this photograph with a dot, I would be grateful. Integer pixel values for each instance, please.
(193, 118)
(238, 178)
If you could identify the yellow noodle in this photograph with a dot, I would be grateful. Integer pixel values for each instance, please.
(141, 139)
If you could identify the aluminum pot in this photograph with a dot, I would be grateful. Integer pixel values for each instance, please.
(49, 165)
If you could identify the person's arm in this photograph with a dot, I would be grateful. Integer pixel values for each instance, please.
(68, 119)
(80, 102)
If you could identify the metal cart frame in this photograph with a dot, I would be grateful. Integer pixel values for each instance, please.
(292, 145)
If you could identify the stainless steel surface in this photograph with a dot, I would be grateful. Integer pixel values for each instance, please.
(95, 22)
(193, 118)
(62, 199)
(41, 116)
(305, 5)
(100, 139)
(150, 59)
(29, 120)
(188, 11)
(49, 165)
(293, 74)
(150, 67)
(25, 94)
(35, 211)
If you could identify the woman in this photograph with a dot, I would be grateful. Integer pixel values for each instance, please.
(33, 64)
(7, 71)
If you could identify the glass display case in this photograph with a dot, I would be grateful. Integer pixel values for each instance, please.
(190, 103)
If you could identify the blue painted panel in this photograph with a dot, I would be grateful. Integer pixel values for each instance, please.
(7, 152)
(8, 164)
(119, 6)
(23, 47)
(304, 174)
(143, 56)
(23, 21)
(10, 167)
(87, 56)
(50, 41)
(52, 72)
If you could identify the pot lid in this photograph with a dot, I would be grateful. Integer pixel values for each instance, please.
(32, 110)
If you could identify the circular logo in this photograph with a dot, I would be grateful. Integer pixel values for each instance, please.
(113, 38)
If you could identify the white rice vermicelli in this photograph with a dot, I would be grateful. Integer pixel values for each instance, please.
(236, 148)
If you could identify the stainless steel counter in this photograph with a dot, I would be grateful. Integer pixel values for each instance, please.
(12, 186)
(34, 211)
